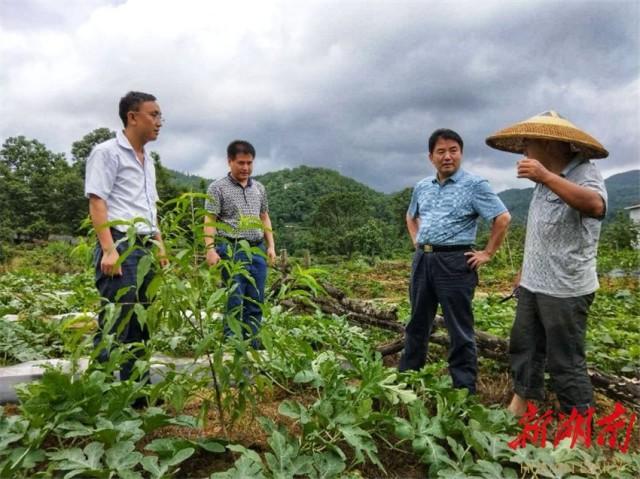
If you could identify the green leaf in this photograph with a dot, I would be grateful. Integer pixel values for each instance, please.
(181, 456)
(253, 455)
(248, 465)
(403, 428)
(457, 449)
(397, 392)
(478, 440)
(362, 442)
(294, 410)
(345, 417)
(453, 474)
(184, 420)
(12, 429)
(365, 407)
(210, 446)
(144, 266)
(167, 447)
(130, 430)
(150, 464)
(78, 461)
(122, 457)
(430, 451)
(154, 418)
(328, 464)
(20, 458)
(74, 429)
(306, 376)
(286, 460)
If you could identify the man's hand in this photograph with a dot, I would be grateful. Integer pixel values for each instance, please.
(477, 258)
(212, 257)
(162, 255)
(533, 170)
(516, 281)
(109, 259)
(271, 255)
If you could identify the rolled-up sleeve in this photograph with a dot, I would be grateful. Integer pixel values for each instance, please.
(486, 202)
(100, 173)
(593, 180)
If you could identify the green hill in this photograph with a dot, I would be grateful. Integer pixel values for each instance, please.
(517, 202)
(623, 190)
(188, 182)
(294, 193)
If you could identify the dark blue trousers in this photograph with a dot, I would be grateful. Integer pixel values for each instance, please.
(245, 303)
(123, 291)
(445, 279)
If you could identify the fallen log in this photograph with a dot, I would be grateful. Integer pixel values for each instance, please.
(619, 388)
(393, 347)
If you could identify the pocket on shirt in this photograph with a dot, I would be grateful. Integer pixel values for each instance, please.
(553, 209)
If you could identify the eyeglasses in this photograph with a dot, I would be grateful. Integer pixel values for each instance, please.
(156, 115)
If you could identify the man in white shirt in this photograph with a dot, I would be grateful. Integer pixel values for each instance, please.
(120, 183)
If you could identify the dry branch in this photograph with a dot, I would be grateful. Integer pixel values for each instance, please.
(618, 388)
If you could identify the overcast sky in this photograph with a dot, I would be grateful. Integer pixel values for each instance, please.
(356, 86)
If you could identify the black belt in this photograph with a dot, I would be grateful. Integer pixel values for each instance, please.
(433, 248)
(141, 240)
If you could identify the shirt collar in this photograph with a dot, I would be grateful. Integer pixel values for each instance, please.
(572, 164)
(455, 177)
(236, 182)
(123, 141)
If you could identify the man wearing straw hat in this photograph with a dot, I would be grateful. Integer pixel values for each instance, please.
(558, 276)
(442, 221)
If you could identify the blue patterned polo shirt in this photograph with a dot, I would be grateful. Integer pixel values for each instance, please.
(449, 212)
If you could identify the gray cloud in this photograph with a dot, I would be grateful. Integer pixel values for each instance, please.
(354, 86)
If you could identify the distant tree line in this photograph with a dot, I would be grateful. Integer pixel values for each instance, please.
(314, 209)
(319, 210)
(41, 193)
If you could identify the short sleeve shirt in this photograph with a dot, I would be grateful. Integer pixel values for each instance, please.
(449, 212)
(237, 207)
(128, 187)
(561, 244)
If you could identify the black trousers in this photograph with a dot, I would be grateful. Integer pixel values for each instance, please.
(446, 279)
(123, 291)
(551, 330)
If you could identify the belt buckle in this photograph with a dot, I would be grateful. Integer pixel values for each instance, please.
(427, 248)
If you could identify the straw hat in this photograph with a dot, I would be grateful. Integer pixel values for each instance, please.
(546, 126)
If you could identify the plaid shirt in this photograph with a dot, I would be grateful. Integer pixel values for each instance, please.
(231, 202)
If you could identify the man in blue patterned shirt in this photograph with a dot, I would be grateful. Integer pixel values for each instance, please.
(442, 221)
